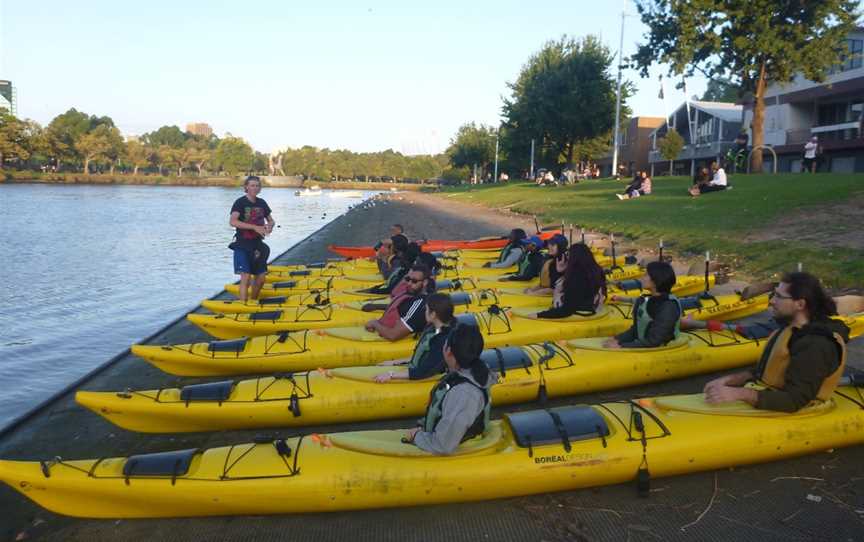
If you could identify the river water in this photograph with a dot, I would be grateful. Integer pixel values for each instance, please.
(90, 270)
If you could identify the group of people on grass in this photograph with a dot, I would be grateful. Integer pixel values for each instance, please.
(706, 180)
(802, 362)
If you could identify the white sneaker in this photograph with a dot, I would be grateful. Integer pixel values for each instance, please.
(621, 196)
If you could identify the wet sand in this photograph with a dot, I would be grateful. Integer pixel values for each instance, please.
(762, 502)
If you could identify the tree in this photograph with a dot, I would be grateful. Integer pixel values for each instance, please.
(116, 147)
(14, 141)
(171, 136)
(138, 155)
(670, 145)
(233, 155)
(722, 90)
(750, 42)
(473, 146)
(94, 145)
(564, 95)
(63, 132)
(199, 153)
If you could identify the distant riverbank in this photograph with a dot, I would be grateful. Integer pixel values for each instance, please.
(162, 180)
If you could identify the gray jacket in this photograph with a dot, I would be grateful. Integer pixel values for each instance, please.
(511, 260)
(461, 406)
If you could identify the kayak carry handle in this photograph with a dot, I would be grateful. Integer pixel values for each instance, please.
(565, 440)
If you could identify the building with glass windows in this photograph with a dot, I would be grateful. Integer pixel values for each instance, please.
(831, 111)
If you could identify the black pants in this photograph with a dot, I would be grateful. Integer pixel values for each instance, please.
(711, 188)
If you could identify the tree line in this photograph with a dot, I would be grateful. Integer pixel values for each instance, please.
(77, 142)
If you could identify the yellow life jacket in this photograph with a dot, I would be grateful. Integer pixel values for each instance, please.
(546, 274)
(776, 361)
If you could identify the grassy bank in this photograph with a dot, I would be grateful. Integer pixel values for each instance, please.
(193, 180)
(764, 225)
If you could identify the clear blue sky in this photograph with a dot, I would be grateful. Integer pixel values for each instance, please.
(365, 76)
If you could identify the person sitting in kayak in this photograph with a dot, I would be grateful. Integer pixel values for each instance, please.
(428, 357)
(582, 287)
(531, 262)
(395, 229)
(553, 267)
(406, 313)
(655, 316)
(397, 266)
(512, 251)
(459, 404)
(802, 361)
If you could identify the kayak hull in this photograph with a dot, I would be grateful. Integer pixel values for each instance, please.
(374, 469)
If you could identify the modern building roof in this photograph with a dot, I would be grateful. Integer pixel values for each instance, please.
(729, 112)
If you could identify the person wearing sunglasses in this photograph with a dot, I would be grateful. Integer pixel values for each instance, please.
(802, 361)
(460, 402)
(406, 313)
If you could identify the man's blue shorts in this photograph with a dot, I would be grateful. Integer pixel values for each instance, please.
(252, 261)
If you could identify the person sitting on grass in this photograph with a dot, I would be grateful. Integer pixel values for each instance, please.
(531, 262)
(553, 267)
(655, 316)
(641, 186)
(802, 361)
(460, 402)
(512, 251)
(428, 357)
(406, 314)
(717, 183)
(703, 176)
(581, 289)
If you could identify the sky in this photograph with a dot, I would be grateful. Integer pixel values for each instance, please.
(358, 75)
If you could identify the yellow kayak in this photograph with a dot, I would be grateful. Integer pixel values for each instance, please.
(324, 316)
(356, 284)
(350, 394)
(285, 299)
(350, 346)
(525, 453)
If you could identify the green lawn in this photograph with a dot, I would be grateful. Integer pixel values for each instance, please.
(719, 222)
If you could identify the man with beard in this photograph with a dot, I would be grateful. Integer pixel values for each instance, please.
(406, 314)
(803, 360)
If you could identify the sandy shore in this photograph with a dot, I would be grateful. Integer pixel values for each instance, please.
(764, 502)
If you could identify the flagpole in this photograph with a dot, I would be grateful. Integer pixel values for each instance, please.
(618, 97)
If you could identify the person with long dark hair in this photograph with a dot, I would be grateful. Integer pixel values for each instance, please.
(428, 357)
(803, 360)
(655, 316)
(459, 404)
(582, 287)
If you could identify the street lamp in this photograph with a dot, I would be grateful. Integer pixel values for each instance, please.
(618, 95)
(495, 179)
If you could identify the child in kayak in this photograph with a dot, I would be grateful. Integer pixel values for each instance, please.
(802, 361)
(655, 316)
(428, 357)
(553, 267)
(582, 287)
(531, 262)
(459, 404)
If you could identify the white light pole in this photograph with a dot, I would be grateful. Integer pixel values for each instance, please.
(532, 158)
(495, 180)
(618, 96)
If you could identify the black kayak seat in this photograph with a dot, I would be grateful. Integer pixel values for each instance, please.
(159, 464)
(278, 300)
(212, 391)
(300, 273)
(633, 284)
(509, 357)
(285, 284)
(230, 345)
(460, 298)
(266, 315)
(467, 319)
(630, 260)
(538, 427)
(316, 265)
(690, 302)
